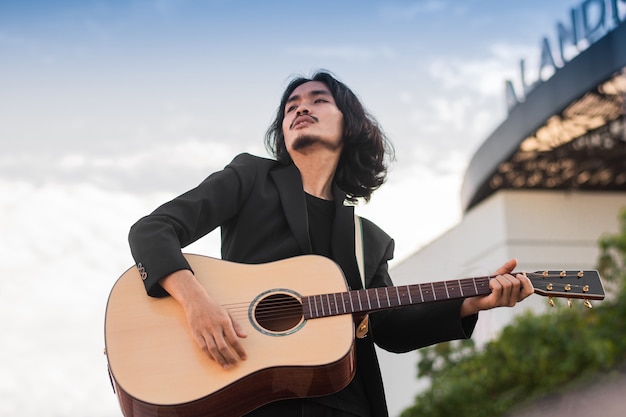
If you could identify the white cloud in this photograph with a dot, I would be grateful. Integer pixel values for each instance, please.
(417, 204)
(191, 153)
(468, 102)
(485, 74)
(63, 247)
(161, 166)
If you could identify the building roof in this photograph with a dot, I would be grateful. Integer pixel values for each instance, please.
(568, 133)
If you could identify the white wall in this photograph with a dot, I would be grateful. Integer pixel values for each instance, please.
(542, 229)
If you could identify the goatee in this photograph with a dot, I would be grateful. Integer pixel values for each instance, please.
(305, 142)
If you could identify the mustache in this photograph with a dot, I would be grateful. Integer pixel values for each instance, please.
(299, 118)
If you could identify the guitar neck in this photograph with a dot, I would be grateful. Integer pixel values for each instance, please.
(373, 299)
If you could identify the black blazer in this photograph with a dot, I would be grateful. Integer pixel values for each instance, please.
(261, 208)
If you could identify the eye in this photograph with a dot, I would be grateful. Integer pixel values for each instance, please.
(290, 108)
(321, 100)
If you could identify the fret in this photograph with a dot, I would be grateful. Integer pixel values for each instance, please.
(428, 294)
(454, 291)
(351, 303)
(317, 314)
(332, 304)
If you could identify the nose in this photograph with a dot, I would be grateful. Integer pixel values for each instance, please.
(302, 109)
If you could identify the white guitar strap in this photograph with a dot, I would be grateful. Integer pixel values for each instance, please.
(362, 328)
(358, 247)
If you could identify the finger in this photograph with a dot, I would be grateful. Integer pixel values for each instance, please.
(496, 292)
(238, 329)
(512, 289)
(496, 286)
(527, 286)
(507, 268)
(234, 336)
(507, 290)
(214, 346)
(204, 342)
(219, 351)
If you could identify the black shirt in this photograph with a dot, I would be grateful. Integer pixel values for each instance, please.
(321, 215)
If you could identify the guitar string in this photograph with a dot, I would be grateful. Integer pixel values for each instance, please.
(465, 283)
(287, 309)
(288, 303)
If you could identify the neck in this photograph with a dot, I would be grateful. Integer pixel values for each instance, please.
(317, 171)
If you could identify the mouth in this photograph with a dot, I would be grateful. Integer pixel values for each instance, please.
(302, 121)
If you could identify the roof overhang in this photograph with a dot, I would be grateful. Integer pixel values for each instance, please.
(568, 133)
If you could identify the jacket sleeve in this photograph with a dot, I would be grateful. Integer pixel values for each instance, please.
(408, 328)
(156, 239)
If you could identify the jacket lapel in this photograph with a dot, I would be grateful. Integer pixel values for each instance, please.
(289, 184)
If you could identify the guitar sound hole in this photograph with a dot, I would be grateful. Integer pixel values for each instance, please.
(278, 312)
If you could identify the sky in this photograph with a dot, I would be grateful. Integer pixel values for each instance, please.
(109, 108)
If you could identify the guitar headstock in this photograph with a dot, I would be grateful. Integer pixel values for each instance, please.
(585, 285)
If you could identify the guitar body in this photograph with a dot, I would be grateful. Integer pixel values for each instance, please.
(158, 370)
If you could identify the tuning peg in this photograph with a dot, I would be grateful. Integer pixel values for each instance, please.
(569, 302)
(580, 274)
(551, 301)
(587, 303)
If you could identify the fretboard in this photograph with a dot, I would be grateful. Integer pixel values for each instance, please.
(373, 299)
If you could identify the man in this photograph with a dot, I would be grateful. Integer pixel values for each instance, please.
(329, 151)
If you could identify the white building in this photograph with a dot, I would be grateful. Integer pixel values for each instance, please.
(543, 188)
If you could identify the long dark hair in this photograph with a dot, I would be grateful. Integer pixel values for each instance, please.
(366, 150)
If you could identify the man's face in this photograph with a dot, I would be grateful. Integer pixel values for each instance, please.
(312, 119)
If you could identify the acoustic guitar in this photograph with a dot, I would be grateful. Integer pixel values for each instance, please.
(298, 314)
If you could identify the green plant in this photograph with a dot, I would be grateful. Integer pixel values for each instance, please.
(533, 356)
